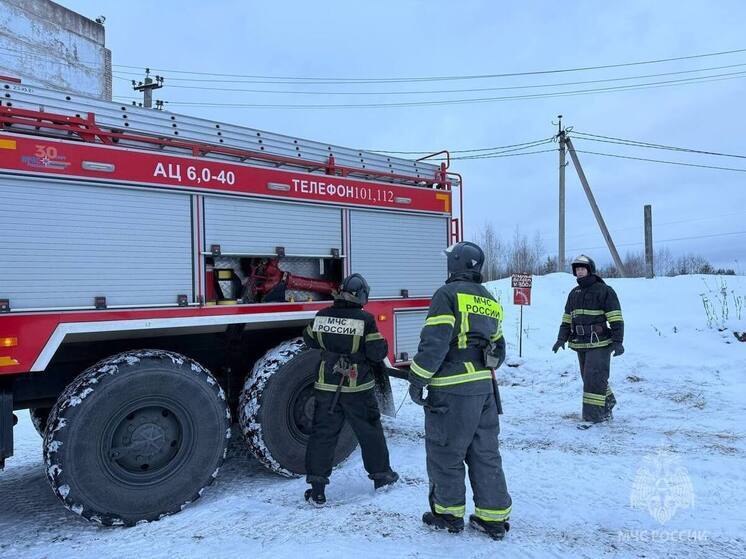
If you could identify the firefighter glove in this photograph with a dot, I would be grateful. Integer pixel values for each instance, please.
(559, 344)
(415, 392)
(617, 349)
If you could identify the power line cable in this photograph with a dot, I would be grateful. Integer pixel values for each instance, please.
(294, 79)
(494, 148)
(498, 155)
(655, 225)
(638, 143)
(492, 155)
(650, 85)
(441, 91)
(676, 239)
(662, 161)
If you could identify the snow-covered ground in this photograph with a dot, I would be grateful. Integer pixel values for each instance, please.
(666, 478)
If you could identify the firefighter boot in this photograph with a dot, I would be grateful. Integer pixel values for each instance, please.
(384, 480)
(443, 522)
(494, 529)
(315, 495)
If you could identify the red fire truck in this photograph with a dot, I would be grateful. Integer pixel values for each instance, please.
(156, 271)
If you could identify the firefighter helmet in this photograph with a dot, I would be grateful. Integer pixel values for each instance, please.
(355, 289)
(584, 262)
(464, 257)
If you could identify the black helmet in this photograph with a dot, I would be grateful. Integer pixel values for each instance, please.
(464, 257)
(355, 289)
(584, 262)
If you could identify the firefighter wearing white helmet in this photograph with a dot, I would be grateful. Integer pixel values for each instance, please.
(460, 346)
(594, 326)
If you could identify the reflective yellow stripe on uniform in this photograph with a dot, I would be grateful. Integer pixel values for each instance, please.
(462, 339)
(419, 371)
(576, 345)
(614, 316)
(588, 312)
(320, 338)
(457, 511)
(448, 319)
(594, 399)
(373, 337)
(461, 378)
(566, 319)
(493, 515)
(347, 389)
(355, 344)
(498, 334)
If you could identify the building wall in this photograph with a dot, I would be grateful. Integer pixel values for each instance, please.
(46, 44)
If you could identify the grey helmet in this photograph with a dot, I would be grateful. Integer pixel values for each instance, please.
(585, 262)
(463, 257)
(355, 289)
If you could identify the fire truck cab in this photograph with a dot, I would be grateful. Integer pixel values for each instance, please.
(156, 272)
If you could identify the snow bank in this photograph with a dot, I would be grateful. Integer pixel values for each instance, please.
(666, 478)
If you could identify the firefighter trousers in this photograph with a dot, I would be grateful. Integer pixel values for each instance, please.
(463, 429)
(360, 409)
(598, 399)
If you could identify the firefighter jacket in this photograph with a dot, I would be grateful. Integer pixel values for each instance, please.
(350, 343)
(463, 321)
(593, 317)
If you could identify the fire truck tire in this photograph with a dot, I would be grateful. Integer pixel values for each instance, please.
(39, 418)
(136, 437)
(276, 409)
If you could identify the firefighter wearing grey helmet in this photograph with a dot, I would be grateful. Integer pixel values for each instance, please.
(355, 289)
(464, 258)
(594, 326)
(350, 346)
(460, 344)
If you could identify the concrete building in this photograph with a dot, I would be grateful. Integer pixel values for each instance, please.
(44, 43)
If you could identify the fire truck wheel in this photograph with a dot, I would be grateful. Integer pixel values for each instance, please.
(39, 418)
(136, 437)
(276, 409)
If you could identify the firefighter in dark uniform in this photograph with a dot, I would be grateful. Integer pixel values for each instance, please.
(460, 345)
(594, 326)
(350, 343)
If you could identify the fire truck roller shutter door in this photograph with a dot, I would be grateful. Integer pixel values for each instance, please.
(408, 327)
(243, 226)
(65, 243)
(398, 250)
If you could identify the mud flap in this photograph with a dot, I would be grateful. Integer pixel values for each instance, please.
(7, 420)
(383, 391)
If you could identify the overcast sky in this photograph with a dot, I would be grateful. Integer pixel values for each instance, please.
(345, 39)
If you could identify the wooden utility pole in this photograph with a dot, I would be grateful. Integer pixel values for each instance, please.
(649, 241)
(594, 207)
(561, 248)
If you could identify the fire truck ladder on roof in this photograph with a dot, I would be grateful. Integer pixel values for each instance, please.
(32, 109)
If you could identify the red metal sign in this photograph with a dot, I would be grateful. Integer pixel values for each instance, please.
(75, 159)
(522, 296)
